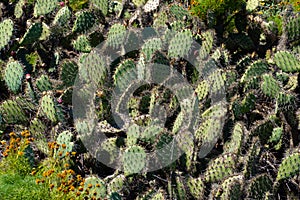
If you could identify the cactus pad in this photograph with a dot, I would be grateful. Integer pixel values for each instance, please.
(43, 7)
(289, 167)
(134, 159)
(32, 34)
(13, 76)
(287, 62)
(48, 108)
(84, 21)
(116, 36)
(6, 32)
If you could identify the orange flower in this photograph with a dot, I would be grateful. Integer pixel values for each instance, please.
(51, 186)
(80, 188)
(37, 181)
(20, 153)
(64, 146)
(3, 142)
(12, 134)
(90, 185)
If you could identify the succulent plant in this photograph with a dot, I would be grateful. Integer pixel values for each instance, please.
(43, 83)
(7, 28)
(180, 45)
(48, 108)
(44, 7)
(220, 168)
(82, 44)
(33, 34)
(289, 166)
(64, 140)
(196, 187)
(85, 20)
(13, 76)
(102, 5)
(116, 36)
(286, 61)
(94, 188)
(134, 159)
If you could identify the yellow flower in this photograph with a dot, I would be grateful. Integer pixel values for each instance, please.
(20, 153)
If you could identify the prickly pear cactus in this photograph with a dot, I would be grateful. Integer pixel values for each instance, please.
(43, 7)
(33, 34)
(286, 61)
(102, 5)
(64, 140)
(289, 167)
(258, 186)
(43, 83)
(84, 21)
(180, 44)
(12, 112)
(62, 16)
(220, 168)
(82, 44)
(116, 36)
(48, 108)
(196, 187)
(94, 188)
(13, 76)
(37, 129)
(134, 159)
(6, 32)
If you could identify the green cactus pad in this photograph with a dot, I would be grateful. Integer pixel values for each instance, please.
(65, 145)
(43, 83)
(116, 184)
(231, 188)
(93, 69)
(180, 45)
(236, 141)
(48, 108)
(32, 34)
(202, 90)
(43, 7)
(178, 12)
(150, 46)
(251, 158)
(207, 44)
(82, 44)
(255, 69)
(134, 160)
(150, 133)
(37, 129)
(269, 86)
(12, 112)
(6, 32)
(258, 186)
(286, 61)
(95, 188)
(102, 5)
(292, 27)
(289, 167)
(180, 188)
(116, 36)
(110, 146)
(196, 187)
(69, 70)
(124, 74)
(62, 17)
(84, 21)
(220, 167)
(13, 75)
(19, 9)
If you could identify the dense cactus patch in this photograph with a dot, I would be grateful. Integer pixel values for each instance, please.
(148, 99)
